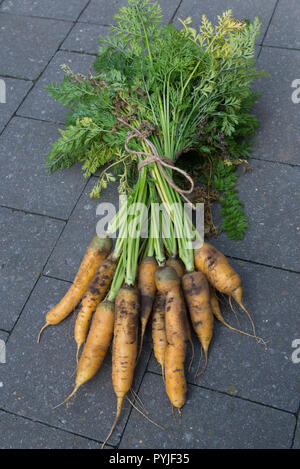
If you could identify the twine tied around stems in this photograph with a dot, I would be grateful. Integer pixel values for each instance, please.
(161, 161)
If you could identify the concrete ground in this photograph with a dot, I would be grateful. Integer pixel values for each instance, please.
(249, 396)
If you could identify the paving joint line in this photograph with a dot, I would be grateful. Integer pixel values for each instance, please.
(14, 77)
(92, 22)
(48, 425)
(57, 278)
(34, 81)
(292, 165)
(40, 120)
(263, 264)
(27, 15)
(175, 12)
(235, 396)
(28, 212)
(296, 426)
(82, 52)
(267, 28)
(280, 47)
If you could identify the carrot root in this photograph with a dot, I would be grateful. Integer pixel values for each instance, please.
(232, 328)
(120, 401)
(77, 353)
(193, 355)
(41, 331)
(237, 296)
(198, 373)
(66, 401)
(144, 415)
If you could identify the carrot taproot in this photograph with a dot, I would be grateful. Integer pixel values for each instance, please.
(158, 329)
(98, 341)
(177, 264)
(190, 339)
(168, 282)
(147, 289)
(215, 306)
(92, 297)
(125, 345)
(221, 275)
(196, 292)
(97, 251)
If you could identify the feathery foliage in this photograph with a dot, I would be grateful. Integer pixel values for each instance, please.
(189, 89)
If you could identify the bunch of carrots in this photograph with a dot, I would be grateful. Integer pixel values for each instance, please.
(156, 90)
(173, 297)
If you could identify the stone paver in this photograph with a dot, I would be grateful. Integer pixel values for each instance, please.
(37, 377)
(278, 137)
(102, 12)
(240, 366)
(69, 251)
(241, 10)
(15, 91)
(271, 196)
(26, 242)
(27, 44)
(19, 433)
(248, 397)
(219, 422)
(39, 104)
(84, 38)
(26, 184)
(284, 30)
(54, 9)
(296, 444)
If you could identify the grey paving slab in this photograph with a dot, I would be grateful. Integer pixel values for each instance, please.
(38, 103)
(240, 366)
(284, 30)
(278, 137)
(3, 335)
(26, 242)
(209, 420)
(37, 377)
(296, 444)
(27, 44)
(26, 184)
(102, 12)
(19, 433)
(270, 194)
(66, 257)
(15, 91)
(84, 37)
(241, 10)
(54, 9)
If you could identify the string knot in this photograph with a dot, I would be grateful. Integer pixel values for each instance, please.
(154, 157)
